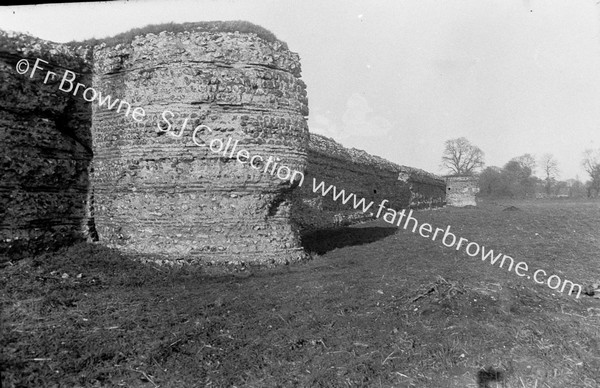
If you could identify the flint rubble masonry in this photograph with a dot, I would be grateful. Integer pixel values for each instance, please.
(45, 149)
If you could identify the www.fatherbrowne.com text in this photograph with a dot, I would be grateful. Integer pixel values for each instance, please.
(449, 239)
(273, 167)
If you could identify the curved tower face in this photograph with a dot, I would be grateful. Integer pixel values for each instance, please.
(197, 159)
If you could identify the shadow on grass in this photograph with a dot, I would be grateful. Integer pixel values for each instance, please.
(323, 241)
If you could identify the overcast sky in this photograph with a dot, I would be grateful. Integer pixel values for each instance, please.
(398, 78)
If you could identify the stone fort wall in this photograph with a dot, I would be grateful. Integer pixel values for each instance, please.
(367, 176)
(45, 148)
(150, 188)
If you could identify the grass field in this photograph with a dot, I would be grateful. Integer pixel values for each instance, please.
(376, 307)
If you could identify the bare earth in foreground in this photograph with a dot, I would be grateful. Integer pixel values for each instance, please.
(377, 306)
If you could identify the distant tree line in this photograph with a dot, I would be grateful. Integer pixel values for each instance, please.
(518, 178)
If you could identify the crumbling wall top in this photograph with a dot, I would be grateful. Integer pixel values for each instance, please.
(28, 46)
(328, 146)
(235, 26)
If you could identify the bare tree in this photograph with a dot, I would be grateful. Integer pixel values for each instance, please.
(526, 161)
(461, 157)
(549, 166)
(591, 164)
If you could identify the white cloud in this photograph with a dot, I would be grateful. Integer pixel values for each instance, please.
(323, 125)
(358, 122)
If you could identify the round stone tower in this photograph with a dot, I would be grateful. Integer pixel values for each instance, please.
(159, 189)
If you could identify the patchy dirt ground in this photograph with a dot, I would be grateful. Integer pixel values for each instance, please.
(377, 306)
